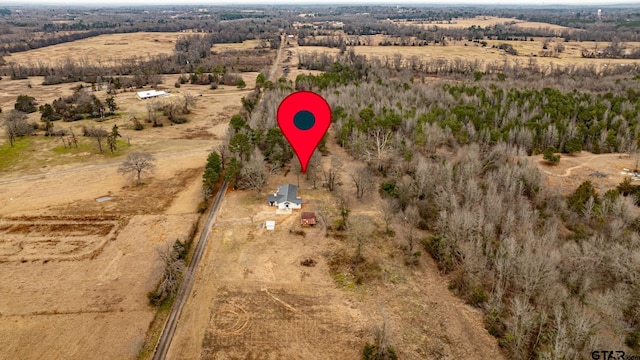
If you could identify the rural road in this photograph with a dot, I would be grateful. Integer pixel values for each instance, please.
(276, 63)
(162, 347)
(185, 289)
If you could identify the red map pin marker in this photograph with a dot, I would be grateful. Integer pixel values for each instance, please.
(304, 117)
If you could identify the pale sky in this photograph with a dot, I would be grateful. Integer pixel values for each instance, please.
(102, 3)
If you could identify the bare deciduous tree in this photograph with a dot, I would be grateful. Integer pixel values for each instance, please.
(360, 228)
(253, 174)
(99, 134)
(174, 267)
(382, 340)
(332, 175)
(379, 145)
(364, 180)
(188, 100)
(324, 213)
(15, 125)
(73, 139)
(313, 167)
(411, 218)
(389, 209)
(170, 108)
(521, 323)
(152, 107)
(137, 163)
(344, 208)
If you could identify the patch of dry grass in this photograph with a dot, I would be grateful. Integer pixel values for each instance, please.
(103, 49)
(469, 51)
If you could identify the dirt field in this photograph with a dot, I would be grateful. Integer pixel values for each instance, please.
(605, 171)
(254, 299)
(74, 272)
(103, 49)
(245, 45)
(465, 50)
(481, 21)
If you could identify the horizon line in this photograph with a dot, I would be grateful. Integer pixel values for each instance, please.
(329, 3)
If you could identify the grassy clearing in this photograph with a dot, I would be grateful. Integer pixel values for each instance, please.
(30, 153)
(9, 155)
(89, 147)
(84, 146)
(105, 49)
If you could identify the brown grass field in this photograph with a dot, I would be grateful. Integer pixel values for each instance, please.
(481, 21)
(247, 44)
(254, 299)
(466, 50)
(103, 49)
(75, 273)
(107, 49)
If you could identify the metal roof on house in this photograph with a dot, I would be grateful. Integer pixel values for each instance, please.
(286, 192)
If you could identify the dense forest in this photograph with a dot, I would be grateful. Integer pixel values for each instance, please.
(545, 268)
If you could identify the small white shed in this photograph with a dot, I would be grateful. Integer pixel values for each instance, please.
(271, 225)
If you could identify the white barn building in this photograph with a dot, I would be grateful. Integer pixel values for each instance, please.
(149, 94)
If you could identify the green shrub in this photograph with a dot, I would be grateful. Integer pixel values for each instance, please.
(633, 339)
(202, 207)
(179, 120)
(389, 187)
(581, 195)
(370, 352)
(445, 254)
(548, 154)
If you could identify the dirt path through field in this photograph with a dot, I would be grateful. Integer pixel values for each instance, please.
(583, 163)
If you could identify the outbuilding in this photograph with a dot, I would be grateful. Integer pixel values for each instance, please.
(308, 218)
(144, 95)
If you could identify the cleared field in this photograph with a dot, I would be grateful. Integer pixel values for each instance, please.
(536, 25)
(481, 21)
(103, 49)
(206, 123)
(245, 45)
(253, 298)
(51, 238)
(468, 51)
(574, 169)
(75, 272)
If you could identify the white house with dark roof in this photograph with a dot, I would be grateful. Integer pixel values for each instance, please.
(286, 197)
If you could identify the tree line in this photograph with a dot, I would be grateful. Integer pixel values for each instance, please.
(32, 28)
